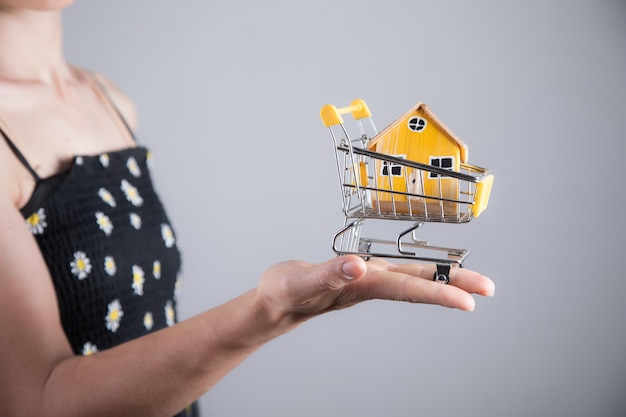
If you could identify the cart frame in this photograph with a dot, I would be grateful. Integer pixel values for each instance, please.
(365, 198)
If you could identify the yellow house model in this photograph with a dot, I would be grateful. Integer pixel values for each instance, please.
(415, 168)
(418, 136)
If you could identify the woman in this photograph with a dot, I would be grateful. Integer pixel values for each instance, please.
(88, 259)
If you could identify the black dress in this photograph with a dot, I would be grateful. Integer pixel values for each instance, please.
(110, 249)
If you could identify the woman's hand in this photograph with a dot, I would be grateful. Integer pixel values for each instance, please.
(295, 291)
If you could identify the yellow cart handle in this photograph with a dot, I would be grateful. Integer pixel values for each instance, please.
(331, 115)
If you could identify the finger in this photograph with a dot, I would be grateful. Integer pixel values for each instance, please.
(466, 279)
(394, 285)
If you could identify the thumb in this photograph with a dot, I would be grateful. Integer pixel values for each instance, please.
(340, 271)
(353, 267)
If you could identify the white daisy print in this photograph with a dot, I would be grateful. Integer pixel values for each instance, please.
(168, 235)
(148, 321)
(107, 197)
(131, 193)
(36, 222)
(149, 159)
(104, 223)
(170, 314)
(79, 160)
(133, 167)
(81, 265)
(89, 349)
(104, 160)
(109, 265)
(135, 220)
(178, 287)
(138, 280)
(114, 315)
(156, 269)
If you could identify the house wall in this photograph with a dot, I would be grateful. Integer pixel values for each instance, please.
(419, 147)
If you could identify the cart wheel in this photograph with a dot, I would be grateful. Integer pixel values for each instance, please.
(442, 274)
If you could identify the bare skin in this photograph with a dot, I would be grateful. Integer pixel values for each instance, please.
(52, 113)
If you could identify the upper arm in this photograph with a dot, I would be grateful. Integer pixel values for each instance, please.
(32, 339)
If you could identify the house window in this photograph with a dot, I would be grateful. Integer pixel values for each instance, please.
(417, 124)
(391, 169)
(446, 162)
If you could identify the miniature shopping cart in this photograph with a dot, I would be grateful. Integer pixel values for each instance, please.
(415, 171)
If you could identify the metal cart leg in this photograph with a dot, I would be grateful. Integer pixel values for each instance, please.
(406, 232)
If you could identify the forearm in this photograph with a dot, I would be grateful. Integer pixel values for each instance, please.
(161, 373)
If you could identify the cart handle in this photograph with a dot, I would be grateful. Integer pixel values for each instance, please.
(331, 115)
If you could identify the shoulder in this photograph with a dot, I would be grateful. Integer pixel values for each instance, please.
(123, 103)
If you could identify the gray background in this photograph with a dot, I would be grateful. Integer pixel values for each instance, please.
(228, 94)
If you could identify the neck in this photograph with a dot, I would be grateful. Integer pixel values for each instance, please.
(31, 47)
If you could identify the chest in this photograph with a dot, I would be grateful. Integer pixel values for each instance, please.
(49, 130)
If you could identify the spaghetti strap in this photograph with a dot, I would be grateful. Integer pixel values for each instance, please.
(104, 93)
(19, 155)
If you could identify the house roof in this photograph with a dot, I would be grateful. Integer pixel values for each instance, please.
(462, 146)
